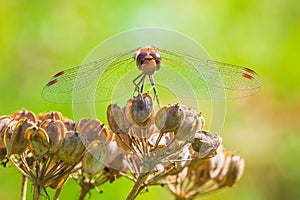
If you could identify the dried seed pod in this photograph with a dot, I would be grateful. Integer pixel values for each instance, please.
(139, 110)
(51, 115)
(14, 137)
(94, 130)
(5, 121)
(68, 124)
(37, 140)
(56, 132)
(190, 124)
(72, 148)
(205, 144)
(217, 163)
(142, 132)
(123, 141)
(221, 177)
(235, 171)
(24, 113)
(94, 159)
(7, 139)
(169, 118)
(165, 139)
(80, 124)
(116, 119)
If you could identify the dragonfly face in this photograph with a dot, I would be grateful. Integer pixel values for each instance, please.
(148, 60)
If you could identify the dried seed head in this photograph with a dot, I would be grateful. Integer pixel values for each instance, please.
(24, 113)
(93, 130)
(235, 170)
(94, 159)
(51, 115)
(205, 175)
(217, 163)
(226, 168)
(142, 132)
(123, 141)
(7, 139)
(14, 137)
(69, 125)
(5, 121)
(139, 110)
(56, 132)
(169, 118)
(117, 119)
(205, 144)
(190, 124)
(37, 140)
(72, 148)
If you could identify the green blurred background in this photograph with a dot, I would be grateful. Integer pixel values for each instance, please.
(40, 38)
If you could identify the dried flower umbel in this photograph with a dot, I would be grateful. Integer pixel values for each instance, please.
(49, 148)
(165, 147)
(155, 145)
(204, 175)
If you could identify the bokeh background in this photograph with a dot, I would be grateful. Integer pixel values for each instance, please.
(40, 38)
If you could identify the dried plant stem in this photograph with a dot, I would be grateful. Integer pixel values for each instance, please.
(57, 193)
(36, 192)
(24, 187)
(84, 191)
(137, 186)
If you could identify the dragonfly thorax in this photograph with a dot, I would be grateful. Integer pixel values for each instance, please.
(148, 59)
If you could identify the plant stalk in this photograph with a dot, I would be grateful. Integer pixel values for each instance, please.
(137, 186)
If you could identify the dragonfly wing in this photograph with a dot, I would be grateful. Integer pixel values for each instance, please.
(212, 79)
(61, 87)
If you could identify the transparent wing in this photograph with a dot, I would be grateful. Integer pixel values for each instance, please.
(207, 76)
(104, 73)
(181, 75)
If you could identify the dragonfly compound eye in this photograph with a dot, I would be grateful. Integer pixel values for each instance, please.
(140, 58)
(156, 57)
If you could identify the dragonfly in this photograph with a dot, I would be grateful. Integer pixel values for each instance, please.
(173, 70)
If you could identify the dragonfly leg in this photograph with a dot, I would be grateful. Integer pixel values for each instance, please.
(154, 89)
(143, 83)
(141, 79)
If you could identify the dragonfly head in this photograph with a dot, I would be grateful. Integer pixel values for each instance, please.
(148, 59)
